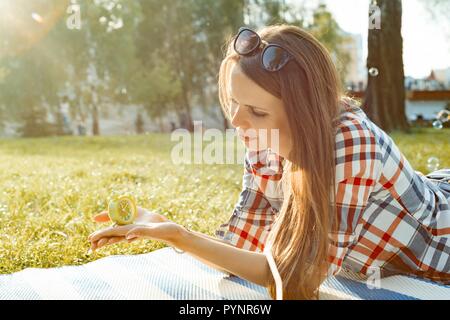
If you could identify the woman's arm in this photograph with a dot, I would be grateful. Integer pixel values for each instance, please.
(205, 261)
(248, 265)
(240, 262)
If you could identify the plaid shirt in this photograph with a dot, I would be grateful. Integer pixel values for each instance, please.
(392, 219)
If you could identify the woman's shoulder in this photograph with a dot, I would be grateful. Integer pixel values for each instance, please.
(351, 113)
(353, 124)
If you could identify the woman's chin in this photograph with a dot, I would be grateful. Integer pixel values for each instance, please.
(252, 144)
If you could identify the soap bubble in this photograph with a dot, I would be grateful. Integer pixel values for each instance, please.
(437, 124)
(373, 72)
(443, 116)
(433, 164)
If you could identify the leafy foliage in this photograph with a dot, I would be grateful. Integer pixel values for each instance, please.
(163, 55)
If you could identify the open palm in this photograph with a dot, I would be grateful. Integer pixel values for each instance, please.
(117, 234)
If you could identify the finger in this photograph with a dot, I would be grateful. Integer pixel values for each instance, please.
(102, 242)
(109, 232)
(93, 246)
(113, 240)
(91, 235)
(102, 217)
(132, 240)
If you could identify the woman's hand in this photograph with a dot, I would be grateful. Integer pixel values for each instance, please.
(162, 229)
(227, 258)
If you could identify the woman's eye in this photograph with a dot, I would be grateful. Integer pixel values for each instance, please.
(235, 105)
(257, 114)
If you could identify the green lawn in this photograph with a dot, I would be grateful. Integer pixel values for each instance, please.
(51, 187)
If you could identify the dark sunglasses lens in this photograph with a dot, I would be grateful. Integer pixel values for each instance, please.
(246, 42)
(274, 58)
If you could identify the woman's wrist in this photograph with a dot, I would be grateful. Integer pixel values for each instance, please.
(182, 238)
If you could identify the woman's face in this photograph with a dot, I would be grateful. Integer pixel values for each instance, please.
(258, 116)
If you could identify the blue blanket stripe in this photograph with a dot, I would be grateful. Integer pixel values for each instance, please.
(177, 287)
(249, 285)
(360, 290)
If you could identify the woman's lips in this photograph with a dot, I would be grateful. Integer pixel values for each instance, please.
(244, 137)
(248, 140)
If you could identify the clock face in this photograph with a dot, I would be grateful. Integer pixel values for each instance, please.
(122, 210)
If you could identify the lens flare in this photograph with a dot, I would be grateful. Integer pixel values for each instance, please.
(37, 17)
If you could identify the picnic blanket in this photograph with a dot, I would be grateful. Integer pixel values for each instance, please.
(165, 274)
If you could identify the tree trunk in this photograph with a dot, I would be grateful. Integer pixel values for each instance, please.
(385, 95)
(95, 125)
(187, 108)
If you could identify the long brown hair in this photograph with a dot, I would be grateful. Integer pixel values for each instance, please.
(310, 90)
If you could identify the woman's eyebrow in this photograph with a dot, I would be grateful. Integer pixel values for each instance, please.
(249, 105)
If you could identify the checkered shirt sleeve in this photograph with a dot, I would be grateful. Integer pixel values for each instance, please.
(259, 202)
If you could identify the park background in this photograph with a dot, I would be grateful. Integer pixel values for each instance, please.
(90, 91)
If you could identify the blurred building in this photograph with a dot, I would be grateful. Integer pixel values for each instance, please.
(426, 104)
(356, 71)
(443, 76)
(425, 97)
(429, 83)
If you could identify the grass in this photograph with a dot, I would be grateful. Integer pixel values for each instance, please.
(50, 188)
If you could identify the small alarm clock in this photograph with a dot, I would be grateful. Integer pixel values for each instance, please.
(122, 210)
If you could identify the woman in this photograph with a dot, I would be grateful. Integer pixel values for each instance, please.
(348, 197)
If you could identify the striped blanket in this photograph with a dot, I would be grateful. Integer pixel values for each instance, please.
(164, 274)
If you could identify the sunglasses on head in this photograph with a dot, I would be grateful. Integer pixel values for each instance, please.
(273, 57)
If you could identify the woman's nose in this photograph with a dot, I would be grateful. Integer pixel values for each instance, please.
(237, 117)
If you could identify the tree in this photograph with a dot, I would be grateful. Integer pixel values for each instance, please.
(42, 57)
(98, 52)
(385, 96)
(172, 27)
(139, 124)
(163, 55)
(30, 76)
(157, 89)
(216, 21)
(35, 123)
(326, 29)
